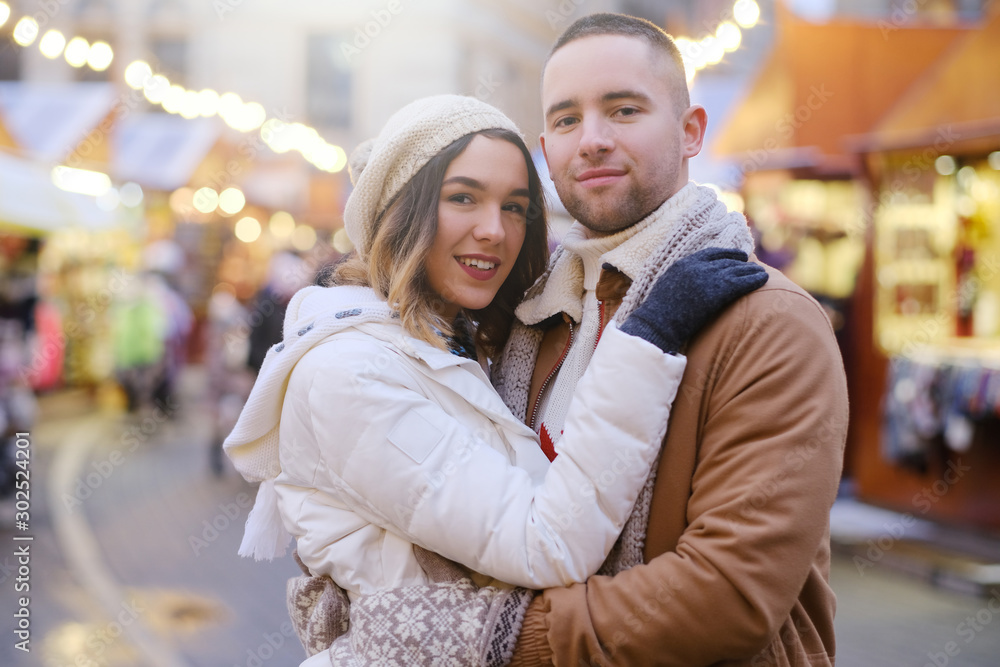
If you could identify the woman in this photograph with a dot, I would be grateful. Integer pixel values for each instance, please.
(373, 428)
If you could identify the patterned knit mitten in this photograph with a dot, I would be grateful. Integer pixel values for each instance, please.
(450, 621)
(506, 613)
(319, 609)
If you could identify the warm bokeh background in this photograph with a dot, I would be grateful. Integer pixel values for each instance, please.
(171, 171)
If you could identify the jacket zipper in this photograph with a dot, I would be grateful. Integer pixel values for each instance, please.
(541, 391)
(600, 322)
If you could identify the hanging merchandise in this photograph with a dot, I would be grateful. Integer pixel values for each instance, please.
(910, 419)
(934, 397)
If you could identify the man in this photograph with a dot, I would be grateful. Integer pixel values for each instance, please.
(732, 566)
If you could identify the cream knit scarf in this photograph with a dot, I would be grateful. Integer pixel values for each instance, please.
(704, 222)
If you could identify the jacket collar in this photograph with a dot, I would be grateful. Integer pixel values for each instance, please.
(362, 309)
(613, 284)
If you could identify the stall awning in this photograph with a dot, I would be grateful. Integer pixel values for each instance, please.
(823, 82)
(161, 151)
(959, 97)
(31, 204)
(50, 120)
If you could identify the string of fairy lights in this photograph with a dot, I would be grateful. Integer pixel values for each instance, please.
(712, 48)
(246, 117)
(241, 116)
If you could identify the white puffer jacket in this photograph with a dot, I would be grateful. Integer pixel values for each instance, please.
(386, 441)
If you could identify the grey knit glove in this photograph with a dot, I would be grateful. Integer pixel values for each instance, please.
(690, 294)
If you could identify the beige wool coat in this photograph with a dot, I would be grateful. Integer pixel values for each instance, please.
(737, 554)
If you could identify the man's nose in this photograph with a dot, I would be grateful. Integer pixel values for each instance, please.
(595, 139)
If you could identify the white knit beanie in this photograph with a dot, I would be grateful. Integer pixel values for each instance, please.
(380, 167)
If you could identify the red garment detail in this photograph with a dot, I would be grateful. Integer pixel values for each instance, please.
(548, 447)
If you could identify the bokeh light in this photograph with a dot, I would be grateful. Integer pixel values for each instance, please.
(232, 201)
(100, 56)
(945, 165)
(206, 200)
(303, 238)
(137, 74)
(208, 103)
(77, 52)
(182, 201)
(174, 99)
(26, 31)
(247, 230)
(746, 13)
(342, 242)
(156, 88)
(190, 106)
(281, 225)
(729, 36)
(131, 194)
(52, 44)
(81, 181)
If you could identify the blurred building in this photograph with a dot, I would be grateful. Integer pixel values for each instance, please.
(342, 68)
(231, 196)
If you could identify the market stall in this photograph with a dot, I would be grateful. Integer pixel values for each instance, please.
(81, 242)
(805, 190)
(934, 358)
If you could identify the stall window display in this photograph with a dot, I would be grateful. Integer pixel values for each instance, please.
(813, 231)
(81, 276)
(937, 251)
(938, 255)
(18, 257)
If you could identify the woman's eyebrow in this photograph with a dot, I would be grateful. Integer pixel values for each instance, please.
(473, 183)
(466, 181)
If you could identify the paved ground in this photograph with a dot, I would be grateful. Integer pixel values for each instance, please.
(163, 584)
(134, 563)
(889, 619)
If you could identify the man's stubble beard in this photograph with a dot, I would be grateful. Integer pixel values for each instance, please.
(608, 216)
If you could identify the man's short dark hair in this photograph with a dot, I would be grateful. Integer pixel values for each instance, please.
(628, 26)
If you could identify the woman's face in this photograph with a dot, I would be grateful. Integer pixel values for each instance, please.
(481, 224)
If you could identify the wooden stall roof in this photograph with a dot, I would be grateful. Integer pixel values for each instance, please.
(822, 82)
(957, 98)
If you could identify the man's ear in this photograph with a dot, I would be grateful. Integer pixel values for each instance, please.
(694, 121)
(541, 140)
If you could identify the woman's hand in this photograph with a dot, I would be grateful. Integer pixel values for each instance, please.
(690, 294)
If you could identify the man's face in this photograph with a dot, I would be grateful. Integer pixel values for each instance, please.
(615, 141)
